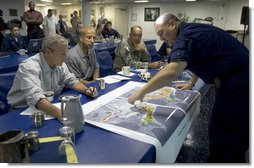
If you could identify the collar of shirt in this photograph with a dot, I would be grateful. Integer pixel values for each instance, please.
(81, 53)
(44, 63)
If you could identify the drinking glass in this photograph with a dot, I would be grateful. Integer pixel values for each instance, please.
(68, 135)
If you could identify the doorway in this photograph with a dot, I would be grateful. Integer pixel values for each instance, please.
(121, 20)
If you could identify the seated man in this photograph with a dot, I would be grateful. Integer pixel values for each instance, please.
(132, 52)
(108, 31)
(14, 41)
(45, 71)
(81, 59)
(74, 37)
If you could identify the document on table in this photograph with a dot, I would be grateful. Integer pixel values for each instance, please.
(30, 110)
(114, 79)
(121, 73)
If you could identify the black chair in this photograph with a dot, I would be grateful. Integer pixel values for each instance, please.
(105, 61)
(6, 81)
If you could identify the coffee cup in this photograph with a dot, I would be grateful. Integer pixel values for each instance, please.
(21, 51)
(126, 70)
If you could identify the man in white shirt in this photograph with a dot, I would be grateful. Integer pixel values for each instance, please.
(45, 71)
(49, 24)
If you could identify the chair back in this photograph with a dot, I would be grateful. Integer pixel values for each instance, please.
(153, 53)
(6, 81)
(105, 61)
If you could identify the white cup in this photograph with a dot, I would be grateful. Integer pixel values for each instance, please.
(142, 72)
(22, 51)
(126, 70)
(148, 75)
(49, 95)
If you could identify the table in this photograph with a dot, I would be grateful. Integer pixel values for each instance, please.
(93, 145)
(11, 63)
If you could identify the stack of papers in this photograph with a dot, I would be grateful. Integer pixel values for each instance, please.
(121, 73)
(114, 79)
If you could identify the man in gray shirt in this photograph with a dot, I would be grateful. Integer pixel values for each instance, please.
(81, 59)
(43, 72)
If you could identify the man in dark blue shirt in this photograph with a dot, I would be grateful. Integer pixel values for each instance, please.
(108, 31)
(216, 57)
(14, 41)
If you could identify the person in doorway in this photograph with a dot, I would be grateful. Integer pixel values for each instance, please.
(81, 59)
(33, 19)
(13, 42)
(45, 71)
(215, 57)
(133, 52)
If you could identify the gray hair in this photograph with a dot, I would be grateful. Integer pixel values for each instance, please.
(51, 41)
(165, 18)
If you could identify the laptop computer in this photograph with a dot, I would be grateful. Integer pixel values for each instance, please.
(34, 45)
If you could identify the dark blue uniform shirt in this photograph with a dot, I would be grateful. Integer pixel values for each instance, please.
(209, 51)
(106, 33)
(10, 44)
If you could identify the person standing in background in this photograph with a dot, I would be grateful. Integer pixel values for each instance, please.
(49, 24)
(74, 37)
(33, 19)
(75, 20)
(92, 21)
(102, 20)
(62, 27)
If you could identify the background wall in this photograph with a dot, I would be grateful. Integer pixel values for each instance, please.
(226, 13)
(5, 5)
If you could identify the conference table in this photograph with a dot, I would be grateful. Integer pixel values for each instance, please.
(94, 145)
(11, 62)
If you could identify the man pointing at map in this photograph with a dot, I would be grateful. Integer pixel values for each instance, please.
(216, 57)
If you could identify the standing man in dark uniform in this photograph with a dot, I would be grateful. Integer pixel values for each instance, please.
(33, 19)
(216, 57)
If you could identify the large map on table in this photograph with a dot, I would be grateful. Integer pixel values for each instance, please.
(158, 115)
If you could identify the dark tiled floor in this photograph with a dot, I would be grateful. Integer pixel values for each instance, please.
(195, 147)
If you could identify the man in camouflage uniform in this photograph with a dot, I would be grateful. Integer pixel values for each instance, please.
(133, 52)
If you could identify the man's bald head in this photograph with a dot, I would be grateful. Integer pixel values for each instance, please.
(166, 18)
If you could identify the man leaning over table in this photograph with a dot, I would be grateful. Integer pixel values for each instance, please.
(216, 57)
(133, 52)
(45, 71)
(81, 59)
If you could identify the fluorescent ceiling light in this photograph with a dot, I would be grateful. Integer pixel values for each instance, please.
(40, 4)
(141, 1)
(66, 3)
(190, 0)
(47, 0)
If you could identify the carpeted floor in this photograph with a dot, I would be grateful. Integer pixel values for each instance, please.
(195, 147)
